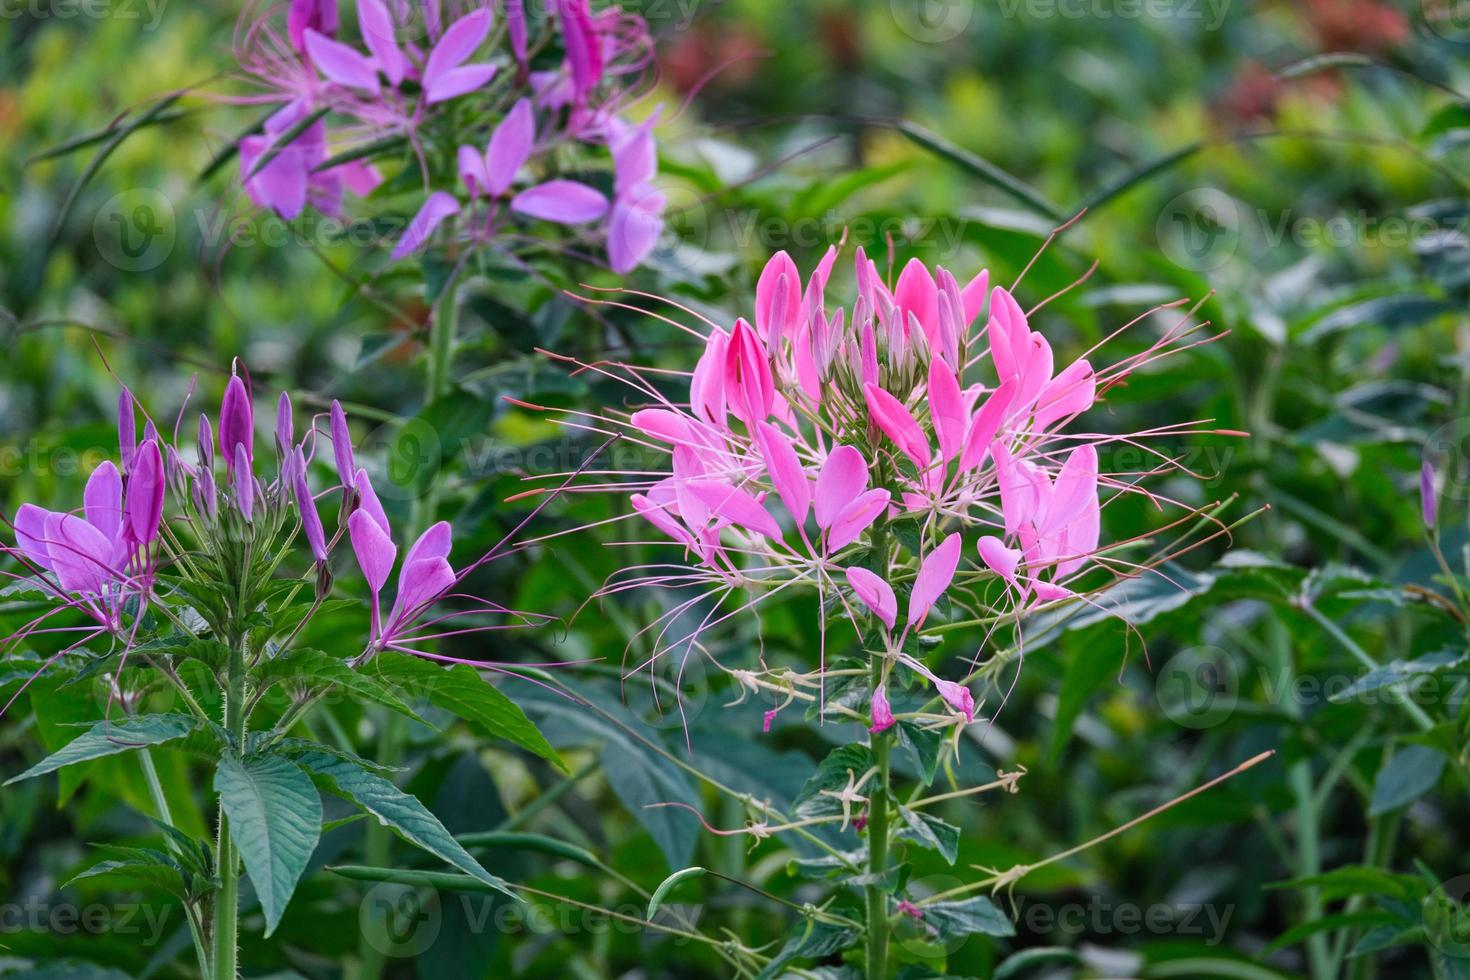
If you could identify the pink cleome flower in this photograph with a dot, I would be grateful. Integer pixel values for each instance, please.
(897, 451)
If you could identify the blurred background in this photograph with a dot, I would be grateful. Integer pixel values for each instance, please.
(1302, 168)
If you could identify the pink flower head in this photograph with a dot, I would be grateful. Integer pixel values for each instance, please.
(425, 576)
(852, 450)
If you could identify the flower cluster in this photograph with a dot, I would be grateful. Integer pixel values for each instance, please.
(899, 456)
(424, 73)
(232, 525)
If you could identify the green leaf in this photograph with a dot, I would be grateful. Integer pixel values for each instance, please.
(1356, 879)
(1400, 672)
(112, 737)
(971, 916)
(318, 669)
(275, 819)
(668, 884)
(139, 864)
(463, 692)
(812, 940)
(1327, 923)
(395, 808)
(923, 744)
(931, 832)
(1413, 771)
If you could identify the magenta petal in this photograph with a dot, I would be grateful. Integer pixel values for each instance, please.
(419, 584)
(664, 425)
(438, 207)
(660, 518)
(457, 81)
(285, 427)
(735, 505)
(584, 55)
(986, 425)
(634, 229)
(515, 25)
(367, 500)
(145, 492)
(785, 469)
(855, 518)
(30, 533)
(998, 558)
(875, 593)
(244, 484)
(935, 574)
(342, 445)
(947, 409)
(311, 521)
(472, 170)
(342, 64)
(458, 43)
(377, 33)
(844, 475)
(433, 543)
(778, 294)
(374, 549)
(280, 185)
(958, 697)
(319, 15)
(563, 201)
(635, 158)
(896, 422)
(102, 499)
(510, 147)
(127, 427)
(80, 554)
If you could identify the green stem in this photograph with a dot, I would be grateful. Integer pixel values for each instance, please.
(165, 816)
(877, 899)
(227, 900)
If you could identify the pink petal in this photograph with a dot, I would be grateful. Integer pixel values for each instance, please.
(855, 518)
(896, 422)
(998, 558)
(342, 445)
(787, 474)
(875, 593)
(986, 425)
(664, 425)
(472, 170)
(635, 155)
(660, 518)
(510, 147)
(419, 584)
(103, 499)
(735, 505)
(563, 201)
(843, 477)
(80, 554)
(342, 64)
(367, 501)
(374, 549)
(433, 543)
(456, 82)
(145, 492)
(957, 696)
(947, 408)
(1070, 393)
(935, 574)
(973, 296)
(30, 533)
(918, 294)
(1008, 332)
(457, 44)
(634, 229)
(584, 56)
(377, 33)
(748, 380)
(438, 207)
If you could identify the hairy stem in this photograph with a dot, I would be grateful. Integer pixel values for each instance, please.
(227, 900)
(877, 899)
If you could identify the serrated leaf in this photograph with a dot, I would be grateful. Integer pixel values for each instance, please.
(395, 808)
(463, 692)
(112, 737)
(275, 819)
(931, 832)
(974, 915)
(319, 669)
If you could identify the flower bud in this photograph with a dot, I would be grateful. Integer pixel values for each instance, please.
(236, 424)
